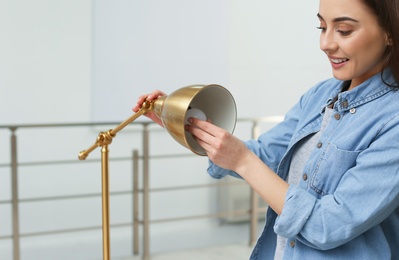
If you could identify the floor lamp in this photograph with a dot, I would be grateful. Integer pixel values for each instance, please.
(210, 102)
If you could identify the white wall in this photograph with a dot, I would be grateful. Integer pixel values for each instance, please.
(274, 54)
(51, 69)
(45, 64)
(266, 53)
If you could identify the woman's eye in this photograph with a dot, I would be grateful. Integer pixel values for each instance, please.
(323, 29)
(344, 33)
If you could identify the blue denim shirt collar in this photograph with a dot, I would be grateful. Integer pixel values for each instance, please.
(365, 92)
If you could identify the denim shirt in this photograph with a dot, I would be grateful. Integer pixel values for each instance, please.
(346, 205)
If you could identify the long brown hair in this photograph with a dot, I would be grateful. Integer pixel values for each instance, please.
(387, 12)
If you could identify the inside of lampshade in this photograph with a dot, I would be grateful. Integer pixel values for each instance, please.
(219, 106)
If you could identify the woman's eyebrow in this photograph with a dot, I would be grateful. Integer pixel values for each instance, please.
(339, 19)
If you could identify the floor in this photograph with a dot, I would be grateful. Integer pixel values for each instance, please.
(225, 252)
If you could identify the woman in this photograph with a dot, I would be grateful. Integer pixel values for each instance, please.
(330, 170)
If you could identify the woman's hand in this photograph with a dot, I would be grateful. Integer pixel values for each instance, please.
(152, 96)
(222, 148)
(230, 153)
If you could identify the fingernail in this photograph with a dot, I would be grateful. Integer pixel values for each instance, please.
(190, 120)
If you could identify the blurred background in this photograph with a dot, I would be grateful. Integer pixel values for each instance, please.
(72, 68)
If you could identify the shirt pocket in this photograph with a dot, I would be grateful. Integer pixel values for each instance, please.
(331, 167)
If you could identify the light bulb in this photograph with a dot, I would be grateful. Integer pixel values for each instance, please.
(195, 112)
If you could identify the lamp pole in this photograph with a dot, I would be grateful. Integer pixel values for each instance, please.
(104, 139)
(105, 201)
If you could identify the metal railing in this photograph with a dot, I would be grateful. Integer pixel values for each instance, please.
(145, 191)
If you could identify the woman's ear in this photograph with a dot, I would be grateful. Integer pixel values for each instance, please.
(388, 39)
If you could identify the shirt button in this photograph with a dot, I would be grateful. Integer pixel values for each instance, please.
(292, 243)
(352, 110)
(319, 145)
(305, 176)
(345, 103)
(337, 116)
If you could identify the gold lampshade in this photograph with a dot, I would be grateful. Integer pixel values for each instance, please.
(216, 103)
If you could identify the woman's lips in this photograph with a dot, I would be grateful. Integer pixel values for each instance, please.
(338, 62)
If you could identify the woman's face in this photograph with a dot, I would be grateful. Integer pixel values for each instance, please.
(352, 39)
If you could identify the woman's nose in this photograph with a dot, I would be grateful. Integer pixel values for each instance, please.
(328, 42)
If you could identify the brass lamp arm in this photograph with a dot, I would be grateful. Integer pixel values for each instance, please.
(105, 138)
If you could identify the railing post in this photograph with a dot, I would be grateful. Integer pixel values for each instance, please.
(146, 194)
(135, 202)
(14, 195)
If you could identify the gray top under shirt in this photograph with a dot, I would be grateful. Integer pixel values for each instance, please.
(300, 157)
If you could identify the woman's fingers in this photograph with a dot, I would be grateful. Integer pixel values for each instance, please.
(221, 147)
(151, 96)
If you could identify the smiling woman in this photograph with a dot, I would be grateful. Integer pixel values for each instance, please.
(355, 43)
(330, 170)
